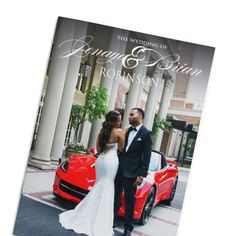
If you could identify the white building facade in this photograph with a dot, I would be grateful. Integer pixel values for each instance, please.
(158, 91)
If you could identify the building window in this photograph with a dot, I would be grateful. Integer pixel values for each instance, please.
(68, 134)
(189, 105)
(83, 75)
(39, 115)
(176, 103)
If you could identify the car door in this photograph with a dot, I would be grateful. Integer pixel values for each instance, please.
(162, 178)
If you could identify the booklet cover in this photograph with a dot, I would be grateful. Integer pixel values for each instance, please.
(94, 69)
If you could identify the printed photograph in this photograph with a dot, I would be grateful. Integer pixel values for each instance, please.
(114, 136)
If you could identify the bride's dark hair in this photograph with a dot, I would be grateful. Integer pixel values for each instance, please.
(110, 122)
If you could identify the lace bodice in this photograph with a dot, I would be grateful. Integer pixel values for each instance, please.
(110, 146)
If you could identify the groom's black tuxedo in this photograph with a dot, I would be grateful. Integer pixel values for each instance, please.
(133, 162)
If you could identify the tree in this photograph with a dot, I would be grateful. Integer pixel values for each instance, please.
(95, 107)
(198, 122)
(162, 124)
(190, 147)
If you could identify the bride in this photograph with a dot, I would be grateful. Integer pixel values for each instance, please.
(94, 215)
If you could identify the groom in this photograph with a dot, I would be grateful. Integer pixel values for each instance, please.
(133, 166)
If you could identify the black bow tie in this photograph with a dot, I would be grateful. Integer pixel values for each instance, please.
(132, 128)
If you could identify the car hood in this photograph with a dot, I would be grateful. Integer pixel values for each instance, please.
(81, 171)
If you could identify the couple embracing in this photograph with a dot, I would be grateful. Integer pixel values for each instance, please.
(121, 166)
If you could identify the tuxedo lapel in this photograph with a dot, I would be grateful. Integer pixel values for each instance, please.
(136, 137)
(127, 135)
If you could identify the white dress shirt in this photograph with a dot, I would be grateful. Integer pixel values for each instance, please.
(132, 135)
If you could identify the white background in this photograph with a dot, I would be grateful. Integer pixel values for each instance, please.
(26, 33)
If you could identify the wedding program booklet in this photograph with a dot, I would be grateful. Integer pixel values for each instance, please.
(94, 69)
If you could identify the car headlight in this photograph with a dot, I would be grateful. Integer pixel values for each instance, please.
(64, 166)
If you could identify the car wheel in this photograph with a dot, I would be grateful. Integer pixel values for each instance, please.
(147, 207)
(172, 195)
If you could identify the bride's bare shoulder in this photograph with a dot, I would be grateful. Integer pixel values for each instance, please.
(125, 130)
(118, 131)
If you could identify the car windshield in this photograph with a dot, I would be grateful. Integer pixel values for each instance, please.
(154, 161)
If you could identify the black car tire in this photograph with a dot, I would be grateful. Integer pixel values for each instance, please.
(172, 195)
(147, 207)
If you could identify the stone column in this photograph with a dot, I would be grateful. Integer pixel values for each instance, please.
(163, 109)
(152, 99)
(172, 143)
(107, 82)
(57, 74)
(143, 81)
(118, 69)
(133, 93)
(67, 97)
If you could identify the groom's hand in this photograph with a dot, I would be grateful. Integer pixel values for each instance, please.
(138, 181)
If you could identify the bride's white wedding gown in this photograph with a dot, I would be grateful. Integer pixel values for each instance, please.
(93, 216)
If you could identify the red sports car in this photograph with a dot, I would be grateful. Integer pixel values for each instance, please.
(75, 177)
